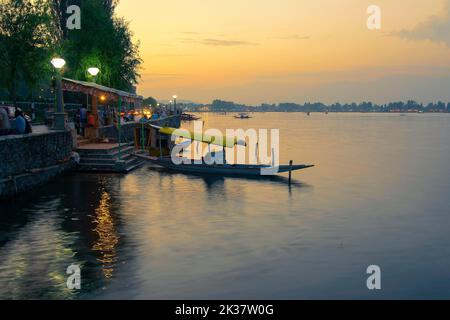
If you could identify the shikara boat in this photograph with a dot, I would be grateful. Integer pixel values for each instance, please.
(222, 169)
(203, 167)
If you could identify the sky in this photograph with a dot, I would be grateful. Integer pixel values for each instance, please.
(271, 51)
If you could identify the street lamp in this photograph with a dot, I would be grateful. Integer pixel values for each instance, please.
(175, 102)
(58, 63)
(59, 122)
(93, 71)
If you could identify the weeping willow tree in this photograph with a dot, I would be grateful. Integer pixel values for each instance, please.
(104, 41)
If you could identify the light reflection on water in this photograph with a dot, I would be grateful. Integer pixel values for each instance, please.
(379, 195)
(107, 236)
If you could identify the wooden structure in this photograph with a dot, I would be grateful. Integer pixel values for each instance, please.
(101, 94)
(147, 137)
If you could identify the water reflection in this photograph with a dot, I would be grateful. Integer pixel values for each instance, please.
(378, 195)
(33, 263)
(108, 238)
(69, 221)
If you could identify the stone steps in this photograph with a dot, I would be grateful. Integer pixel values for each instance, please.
(105, 158)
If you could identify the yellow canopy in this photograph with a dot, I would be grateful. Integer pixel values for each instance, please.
(227, 142)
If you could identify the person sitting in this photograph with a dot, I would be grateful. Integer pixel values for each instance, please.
(5, 126)
(21, 123)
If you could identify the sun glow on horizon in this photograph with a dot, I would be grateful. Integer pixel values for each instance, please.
(275, 51)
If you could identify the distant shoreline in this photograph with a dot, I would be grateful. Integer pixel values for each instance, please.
(321, 112)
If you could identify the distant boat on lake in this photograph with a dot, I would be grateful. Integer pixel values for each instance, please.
(243, 116)
(189, 117)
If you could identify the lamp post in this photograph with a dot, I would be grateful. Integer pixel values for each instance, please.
(59, 122)
(174, 103)
(93, 72)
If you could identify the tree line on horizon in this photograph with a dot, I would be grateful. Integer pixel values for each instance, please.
(32, 32)
(408, 106)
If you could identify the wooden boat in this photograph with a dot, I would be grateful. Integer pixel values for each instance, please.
(243, 116)
(224, 169)
(202, 167)
(189, 117)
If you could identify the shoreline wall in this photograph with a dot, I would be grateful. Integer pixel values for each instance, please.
(27, 161)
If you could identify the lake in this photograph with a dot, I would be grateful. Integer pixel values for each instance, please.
(379, 195)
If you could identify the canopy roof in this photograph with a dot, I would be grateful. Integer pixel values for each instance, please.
(99, 90)
(227, 142)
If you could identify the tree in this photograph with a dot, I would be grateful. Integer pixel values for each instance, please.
(105, 42)
(150, 101)
(24, 41)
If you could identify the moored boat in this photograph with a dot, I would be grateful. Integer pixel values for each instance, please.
(213, 162)
(221, 169)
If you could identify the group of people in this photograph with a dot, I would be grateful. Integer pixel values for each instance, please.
(84, 118)
(20, 124)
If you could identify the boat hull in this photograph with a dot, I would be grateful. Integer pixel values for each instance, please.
(226, 169)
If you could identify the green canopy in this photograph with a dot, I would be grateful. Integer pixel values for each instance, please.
(227, 142)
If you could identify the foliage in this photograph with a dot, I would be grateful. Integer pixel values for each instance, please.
(32, 31)
(25, 38)
(105, 42)
(150, 101)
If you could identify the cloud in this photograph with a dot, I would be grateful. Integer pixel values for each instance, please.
(363, 75)
(158, 77)
(295, 37)
(435, 29)
(219, 42)
(165, 75)
(171, 55)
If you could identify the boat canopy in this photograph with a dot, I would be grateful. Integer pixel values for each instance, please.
(227, 142)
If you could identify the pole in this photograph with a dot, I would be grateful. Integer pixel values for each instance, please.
(142, 137)
(60, 116)
(290, 171)
(160, 147)
(59, 95)
(224, 156)
(120, 127)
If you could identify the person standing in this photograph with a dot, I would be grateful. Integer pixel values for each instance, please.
(33, 112)
(76, 120)
(83, 119)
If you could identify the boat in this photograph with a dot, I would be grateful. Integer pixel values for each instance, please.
(242, 116)
(204, 166)
(189, 117)
(221, 169)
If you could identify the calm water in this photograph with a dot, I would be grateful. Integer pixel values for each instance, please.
(379, 195)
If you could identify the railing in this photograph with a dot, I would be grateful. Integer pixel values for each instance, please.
(42, 110)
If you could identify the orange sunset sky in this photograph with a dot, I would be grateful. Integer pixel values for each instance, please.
(270, 51)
